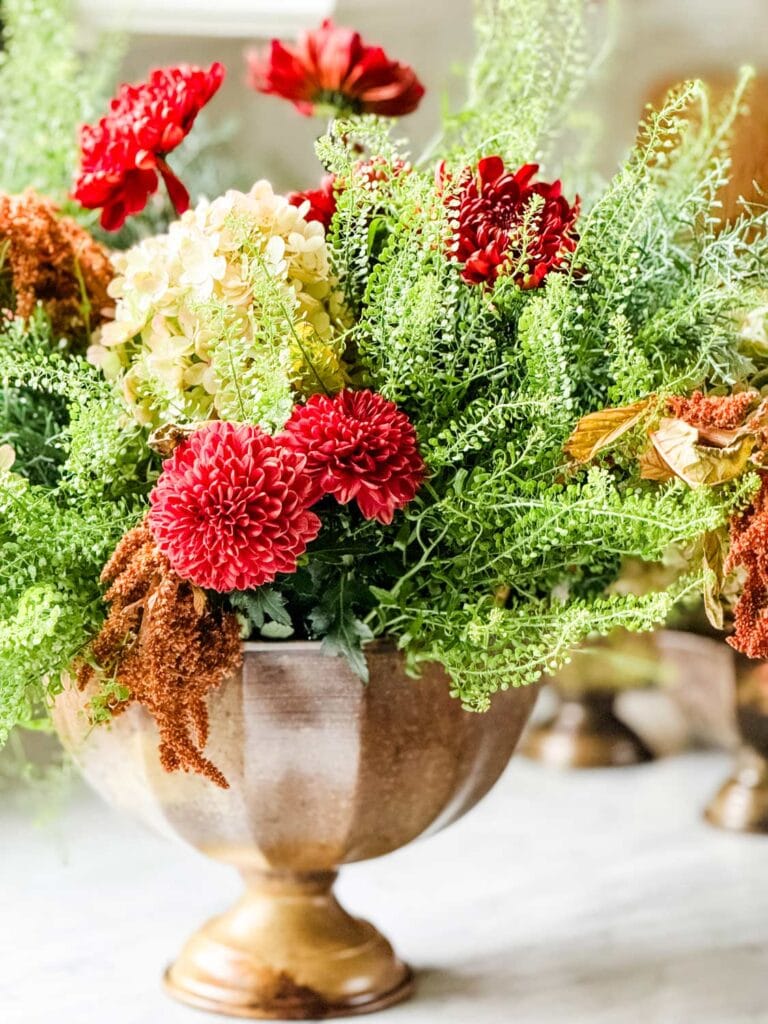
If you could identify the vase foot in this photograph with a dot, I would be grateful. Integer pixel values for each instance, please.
(741, 804)
(586, 733)
(288, 951)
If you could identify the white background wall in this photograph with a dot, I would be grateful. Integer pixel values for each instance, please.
(657, 40)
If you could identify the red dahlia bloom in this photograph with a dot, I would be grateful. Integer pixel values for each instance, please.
(322, 201)
(498, 230)
(360, 447)
(333, 68)
(231, 508)
(122, 155)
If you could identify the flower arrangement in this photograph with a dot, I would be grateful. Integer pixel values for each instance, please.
(438, 399)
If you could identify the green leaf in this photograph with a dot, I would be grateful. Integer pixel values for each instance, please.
(264, 611)
(343, 633)
(276, 631)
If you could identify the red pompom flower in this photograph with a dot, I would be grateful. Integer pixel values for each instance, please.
(359, 447)
(332, 68)
(231, 508)
(122, 155)
(503, 228)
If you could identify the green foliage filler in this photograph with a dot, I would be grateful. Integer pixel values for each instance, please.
(60, 515)
(507, 554)
(47, 91)
(506, 557)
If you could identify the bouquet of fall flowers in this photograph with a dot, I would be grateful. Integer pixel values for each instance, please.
(440, 399)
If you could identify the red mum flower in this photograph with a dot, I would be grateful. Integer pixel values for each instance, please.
(358, 446)
(122, 155)
(322, 201)
(506, 225)
(231, 508)
(333, 68)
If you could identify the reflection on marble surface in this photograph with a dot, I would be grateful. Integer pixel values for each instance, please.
(586, 898)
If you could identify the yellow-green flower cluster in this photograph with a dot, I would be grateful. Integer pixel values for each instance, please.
(239, 289)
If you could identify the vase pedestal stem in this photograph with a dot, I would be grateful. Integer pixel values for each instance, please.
(288, 951)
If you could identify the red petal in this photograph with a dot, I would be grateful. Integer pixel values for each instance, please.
(177, 192)
(490, 168)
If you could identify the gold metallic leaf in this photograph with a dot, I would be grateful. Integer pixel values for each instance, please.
(600, 429)
(714, 545)
(653, 467)
(676, 443)
(167, 438)
(199, 600)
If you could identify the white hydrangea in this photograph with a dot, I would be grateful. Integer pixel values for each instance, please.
(754, 328)
(194, 305)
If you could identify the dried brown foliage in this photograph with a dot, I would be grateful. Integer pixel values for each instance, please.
(723, 412)
(50, 259)
(749, 551)
(166, 644)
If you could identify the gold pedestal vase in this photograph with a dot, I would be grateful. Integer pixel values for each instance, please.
(741, 803)
(323, 771)
(585, 731)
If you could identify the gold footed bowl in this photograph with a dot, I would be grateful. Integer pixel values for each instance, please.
(323, 771)
(586, 732)
(741, 803)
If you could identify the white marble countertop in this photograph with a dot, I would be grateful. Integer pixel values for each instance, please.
(581, 898)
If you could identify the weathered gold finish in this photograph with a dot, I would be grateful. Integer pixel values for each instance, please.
(741, 804)
(291, 920)
(586, 733)
(323, 771)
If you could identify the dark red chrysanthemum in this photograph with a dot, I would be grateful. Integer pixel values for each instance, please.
(322, 201)
(501, 228)
(231, 508)
(122, 155)
(333, 69)
(359, 447)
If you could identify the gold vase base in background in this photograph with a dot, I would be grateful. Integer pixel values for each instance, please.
(586, 733)
(288, 951)
(741, 804)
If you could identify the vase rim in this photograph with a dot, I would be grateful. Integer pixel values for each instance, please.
(261, 646)
(309, 647)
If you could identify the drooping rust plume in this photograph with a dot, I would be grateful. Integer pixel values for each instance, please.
(167, 645)
(52, 260)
